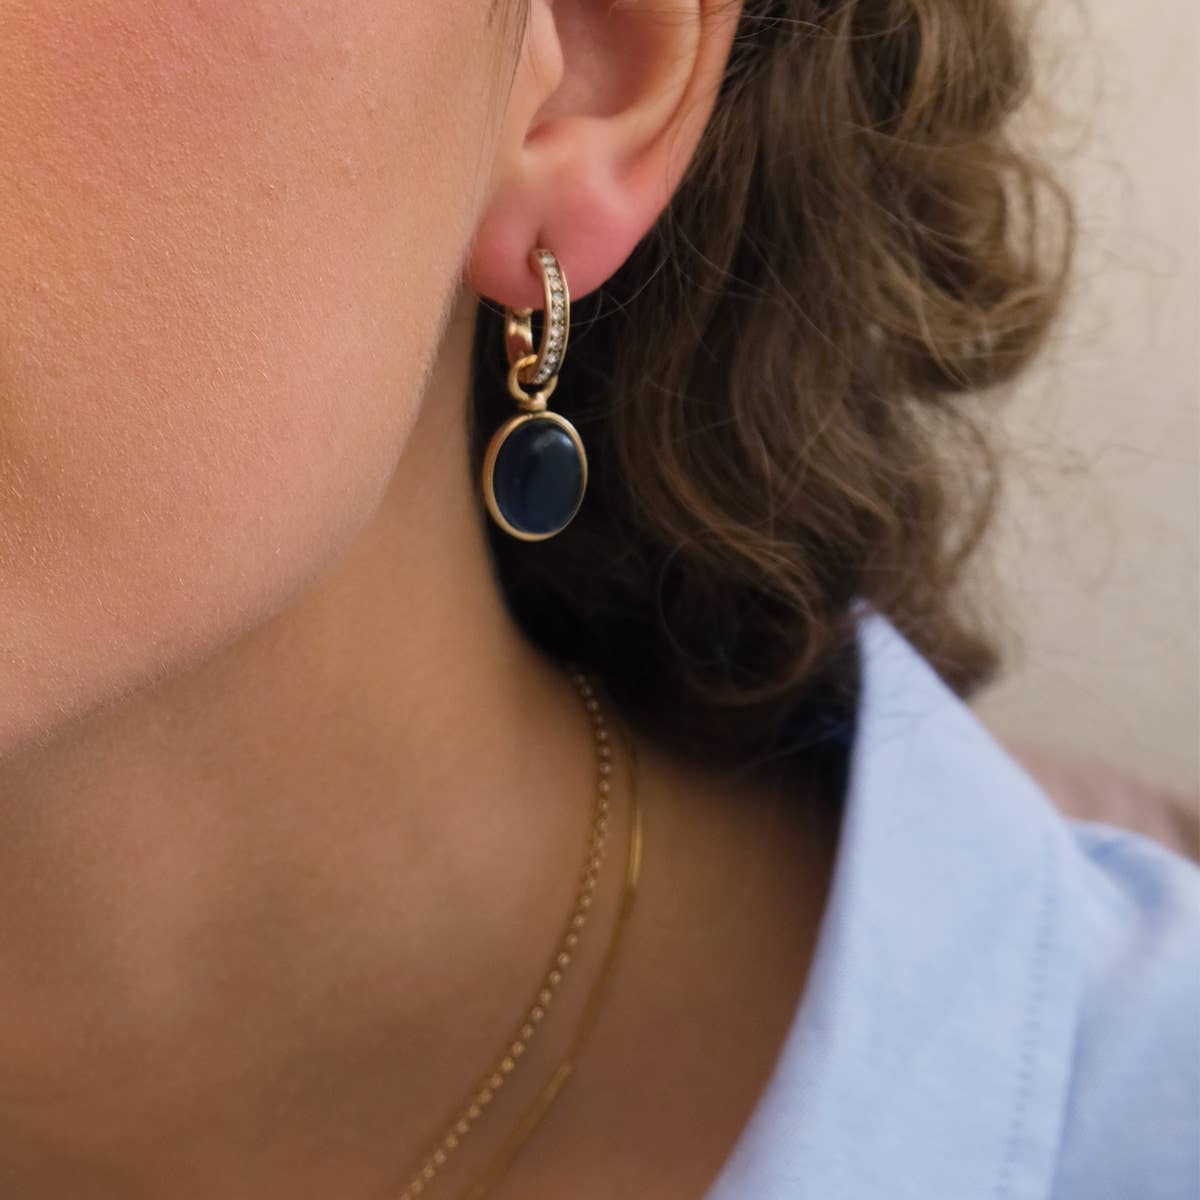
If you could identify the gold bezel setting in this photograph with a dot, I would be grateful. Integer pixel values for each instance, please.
(489, 466)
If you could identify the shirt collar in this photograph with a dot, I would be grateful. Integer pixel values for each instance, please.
(929, 1054)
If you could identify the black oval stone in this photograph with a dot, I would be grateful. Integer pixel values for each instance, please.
(537, 478)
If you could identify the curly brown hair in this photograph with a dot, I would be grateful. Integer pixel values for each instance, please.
(774, 388)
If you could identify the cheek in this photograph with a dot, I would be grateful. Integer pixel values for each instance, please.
(226, 234)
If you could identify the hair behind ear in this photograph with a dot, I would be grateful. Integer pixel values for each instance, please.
(773, 388)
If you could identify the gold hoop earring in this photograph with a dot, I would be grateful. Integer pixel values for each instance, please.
(535, 468)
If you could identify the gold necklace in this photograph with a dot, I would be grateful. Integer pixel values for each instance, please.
(466, 1117)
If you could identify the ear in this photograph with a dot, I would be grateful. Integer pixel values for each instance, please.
(606, 110)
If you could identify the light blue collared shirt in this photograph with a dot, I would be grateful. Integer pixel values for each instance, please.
(1004, 1002)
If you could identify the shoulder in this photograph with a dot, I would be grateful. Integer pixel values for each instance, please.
(1133, 1100)
(1004, 1000)
(1083, 936)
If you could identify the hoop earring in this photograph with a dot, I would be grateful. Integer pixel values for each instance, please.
(535, 468)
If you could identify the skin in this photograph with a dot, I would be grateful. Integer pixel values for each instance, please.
(290, 812)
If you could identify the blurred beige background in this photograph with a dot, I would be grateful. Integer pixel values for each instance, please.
(1097, 550)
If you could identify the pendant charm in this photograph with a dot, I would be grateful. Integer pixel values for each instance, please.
(535, 475)
(535, 468)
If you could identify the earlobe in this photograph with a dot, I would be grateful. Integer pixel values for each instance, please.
(590, 165)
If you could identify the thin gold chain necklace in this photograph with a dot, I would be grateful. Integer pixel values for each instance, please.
(505, 1065)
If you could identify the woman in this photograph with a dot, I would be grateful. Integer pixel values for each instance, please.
(402, 799)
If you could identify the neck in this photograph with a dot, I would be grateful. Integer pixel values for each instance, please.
(321, 837)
